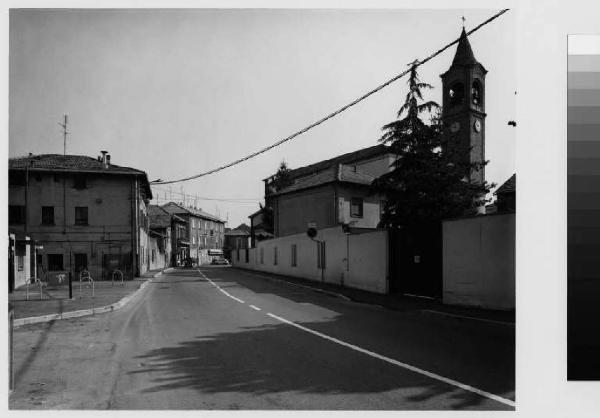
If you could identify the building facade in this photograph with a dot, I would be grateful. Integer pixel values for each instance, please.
(236, 239)
(205, 232)
(160, 237)
(81, 213)
(329, 193)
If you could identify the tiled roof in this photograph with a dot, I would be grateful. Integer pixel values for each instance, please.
(509, 186)
(243, 227)
(175, 208)
(342, 173)
(159, 218)
(237, 232)
(355, 175)
(75, 163)
(348, 158)
(328, 175)
(67, 162)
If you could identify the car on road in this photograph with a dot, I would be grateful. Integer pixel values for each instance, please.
(219, 261)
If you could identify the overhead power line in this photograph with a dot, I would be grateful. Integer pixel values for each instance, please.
(192, 197)
(417, 63)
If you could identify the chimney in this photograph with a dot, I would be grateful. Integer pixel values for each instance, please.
(107, 160)
(104, 158)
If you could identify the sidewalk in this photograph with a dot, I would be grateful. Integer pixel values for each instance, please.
(56, 299)
(397, 302)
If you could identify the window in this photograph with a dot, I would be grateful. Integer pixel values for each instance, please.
(38, 177)
(20, 263)
(80, 262)
(321, 255)
(294, 255)
(55, 262)
(81, 215)
(476, 93)
(456, 94)
(56, 178)
(16, 178)
(153, 255)
(247, 255)
(79, 182)
(238, 243)
(238, 254)
(274, 256)
(262, 255)
(16, 214)
(47, 215)
(356, 207)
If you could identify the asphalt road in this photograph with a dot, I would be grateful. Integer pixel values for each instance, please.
(220, 338)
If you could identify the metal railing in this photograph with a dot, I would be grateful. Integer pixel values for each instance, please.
(34, 281)
(84, 277)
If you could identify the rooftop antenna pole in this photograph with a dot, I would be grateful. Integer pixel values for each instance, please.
(64, 126)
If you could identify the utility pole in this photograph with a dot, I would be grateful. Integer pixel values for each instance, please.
(64, 126)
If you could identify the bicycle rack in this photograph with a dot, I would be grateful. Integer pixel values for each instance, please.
(83, 277)
(119, 274)
(34, 281)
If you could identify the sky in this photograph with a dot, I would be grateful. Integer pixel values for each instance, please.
(179, 92)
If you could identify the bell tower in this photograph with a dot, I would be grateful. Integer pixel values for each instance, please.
(463, 107)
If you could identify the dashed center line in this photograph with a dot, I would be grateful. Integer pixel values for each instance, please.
(406, 366)
(221, 290)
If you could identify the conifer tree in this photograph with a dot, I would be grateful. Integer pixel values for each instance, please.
(428, 181)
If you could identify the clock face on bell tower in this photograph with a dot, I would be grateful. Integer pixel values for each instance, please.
(463, 106)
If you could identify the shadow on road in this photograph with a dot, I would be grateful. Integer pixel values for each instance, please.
(278, 358)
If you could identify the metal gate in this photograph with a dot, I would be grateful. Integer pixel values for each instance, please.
(416, 260)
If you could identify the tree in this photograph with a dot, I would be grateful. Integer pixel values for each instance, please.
(267, 217)
(428, 181)
(282, 178)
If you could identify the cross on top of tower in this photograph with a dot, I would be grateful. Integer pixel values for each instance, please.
(463, 21)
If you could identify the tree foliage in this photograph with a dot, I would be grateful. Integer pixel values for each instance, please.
(428, 181)
(267, 218)
(282, 178)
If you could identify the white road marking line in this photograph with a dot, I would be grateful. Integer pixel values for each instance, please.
(512, 324)
(256, 308)
(400, 364)
(219, 288)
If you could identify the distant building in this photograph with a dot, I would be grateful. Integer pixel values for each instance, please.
(236, 239)
(329, 193)
(160, 237)
(205, 232)
(259, 228)
(506, 195)
(81, 212)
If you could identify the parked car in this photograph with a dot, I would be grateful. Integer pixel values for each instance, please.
(220, 261)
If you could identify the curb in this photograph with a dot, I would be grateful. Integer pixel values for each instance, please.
(83, 312)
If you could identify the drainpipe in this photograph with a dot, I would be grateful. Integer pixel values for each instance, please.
(133, 214)
(26, 198)
(137, 225)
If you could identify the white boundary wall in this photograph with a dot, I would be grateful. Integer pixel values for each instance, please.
(357, 260)
(479, 261)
